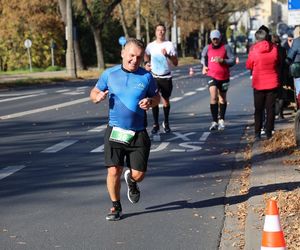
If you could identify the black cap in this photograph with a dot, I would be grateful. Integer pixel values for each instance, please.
(265, 28)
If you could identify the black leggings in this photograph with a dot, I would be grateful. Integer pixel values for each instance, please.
(264, 100)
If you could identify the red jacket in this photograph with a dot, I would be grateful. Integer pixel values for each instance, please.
(263, 61)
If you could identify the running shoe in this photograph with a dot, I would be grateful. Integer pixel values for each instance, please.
(133, 192)
(114, 215)
(166, 127)
(221, 125)
(155, 129)
(213, 126)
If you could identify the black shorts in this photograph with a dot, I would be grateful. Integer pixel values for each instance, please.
(222, 85)
(165, 86)
(136, 153)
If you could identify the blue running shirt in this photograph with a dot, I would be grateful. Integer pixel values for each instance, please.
(126, 89)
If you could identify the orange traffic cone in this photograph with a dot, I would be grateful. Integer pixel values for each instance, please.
(237, 60)
(191, 71)
(272, 237)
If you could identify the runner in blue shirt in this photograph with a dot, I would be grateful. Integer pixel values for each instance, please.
(131, 91)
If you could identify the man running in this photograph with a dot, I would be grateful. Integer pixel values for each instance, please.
(131, 91)
(216, 59)
(159, 56)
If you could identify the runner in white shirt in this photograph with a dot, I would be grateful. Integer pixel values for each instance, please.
(160, 56)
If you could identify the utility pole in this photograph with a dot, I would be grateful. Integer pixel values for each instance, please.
(70, 60)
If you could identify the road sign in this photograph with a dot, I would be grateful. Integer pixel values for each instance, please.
(27, 43)
(294, 5)
(294, 12)
(122, 40)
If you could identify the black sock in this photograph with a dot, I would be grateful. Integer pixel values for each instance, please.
(155, 112)
(166, 114)
(223, 107)
(214, 111)
(117, 205)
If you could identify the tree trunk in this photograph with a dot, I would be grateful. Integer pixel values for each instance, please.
(99, 49)
(147, 30)
(123, 21)
(138, 19)
(78, 56)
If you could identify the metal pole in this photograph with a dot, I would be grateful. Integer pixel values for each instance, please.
(52, 57)
(71, 69)
(29, 56)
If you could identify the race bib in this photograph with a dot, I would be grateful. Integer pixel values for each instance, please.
(121, 135)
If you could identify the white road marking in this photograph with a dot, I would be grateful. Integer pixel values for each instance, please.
(161, 146)
(9, 171)
(175, 99)
(22, 93)
(59, 146)
(98, 129)
(99, 149)
(62, 90)
(74, 93)
(20, 97)
(190, 93)
(204, 136)
(201, 89)
(57, 106)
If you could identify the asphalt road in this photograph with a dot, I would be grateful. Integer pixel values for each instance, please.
(53, 182)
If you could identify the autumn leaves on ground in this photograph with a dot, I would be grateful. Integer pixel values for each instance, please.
(282, 143)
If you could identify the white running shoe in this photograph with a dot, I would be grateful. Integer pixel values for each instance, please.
(213, 126)
(221, 125)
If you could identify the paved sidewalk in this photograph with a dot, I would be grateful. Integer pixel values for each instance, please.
(267, 176)
(49, 74)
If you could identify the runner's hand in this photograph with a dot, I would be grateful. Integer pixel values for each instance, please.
(101, 96)
(204, 70)
(145, 103)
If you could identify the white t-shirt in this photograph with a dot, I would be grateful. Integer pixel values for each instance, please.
(159, 64)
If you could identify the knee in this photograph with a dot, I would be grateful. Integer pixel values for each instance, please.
(137, 175)
(115, 172)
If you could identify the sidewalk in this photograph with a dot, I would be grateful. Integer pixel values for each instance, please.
(267, 175)
(33, 75)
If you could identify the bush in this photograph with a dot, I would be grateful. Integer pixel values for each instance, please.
(54, 68)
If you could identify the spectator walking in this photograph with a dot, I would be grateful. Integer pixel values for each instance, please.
(131, 91)
(283, 72)
(293, 60)
(263, 61)
(159, 57)
(216, 59)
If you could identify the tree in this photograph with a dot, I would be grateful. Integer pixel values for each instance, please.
(97, 13)
(78, 57)
(36, 20)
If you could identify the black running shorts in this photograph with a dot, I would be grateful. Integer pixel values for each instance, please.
(222, 85)
(136, 153)
(165, 86)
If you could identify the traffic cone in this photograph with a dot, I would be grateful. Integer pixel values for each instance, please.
(191, 71)
(237, 60)
(272, 237)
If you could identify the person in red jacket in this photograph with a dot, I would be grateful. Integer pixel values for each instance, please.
(216, 59)
(263, 60)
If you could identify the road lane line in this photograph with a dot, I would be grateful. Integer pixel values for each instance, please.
(20, 97)
(59, 146)
(9, 171)
(57, 106)
(98, 129)
(99, 149)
